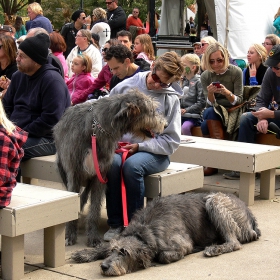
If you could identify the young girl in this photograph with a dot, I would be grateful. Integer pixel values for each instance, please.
(79, 84)
(193, 100)
(143, 48)
(12, 139)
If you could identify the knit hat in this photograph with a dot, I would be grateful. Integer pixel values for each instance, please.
(273, 56)
(37, 48)
(76, 15)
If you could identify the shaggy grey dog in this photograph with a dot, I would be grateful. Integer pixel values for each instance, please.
(174, 226)
(108, 118)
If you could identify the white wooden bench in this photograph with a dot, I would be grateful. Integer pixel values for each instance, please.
(246, 158)
(33, 208)
(177, 178)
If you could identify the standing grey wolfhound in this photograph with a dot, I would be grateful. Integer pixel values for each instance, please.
(174, 226)
(108, 119)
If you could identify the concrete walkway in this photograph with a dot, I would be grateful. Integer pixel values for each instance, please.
(257, 260)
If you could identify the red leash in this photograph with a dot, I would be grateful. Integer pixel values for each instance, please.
(95, 160)
(104, 181)
(125, 155)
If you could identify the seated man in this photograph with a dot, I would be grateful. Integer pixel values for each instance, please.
(253, 122)
(120, 60)
(36, 97)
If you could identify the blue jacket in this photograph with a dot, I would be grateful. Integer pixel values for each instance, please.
(36, 103)
(41, 21)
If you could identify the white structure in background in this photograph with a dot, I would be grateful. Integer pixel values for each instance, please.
(235, 23)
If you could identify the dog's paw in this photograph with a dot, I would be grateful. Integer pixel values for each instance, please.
(93, 242)
(212, 251)
(70, 241)
(82, 256)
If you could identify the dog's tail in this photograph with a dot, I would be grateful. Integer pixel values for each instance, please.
(61, 170)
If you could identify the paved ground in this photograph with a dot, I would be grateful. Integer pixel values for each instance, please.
(257, 260)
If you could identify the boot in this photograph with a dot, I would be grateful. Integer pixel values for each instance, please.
(216, 131)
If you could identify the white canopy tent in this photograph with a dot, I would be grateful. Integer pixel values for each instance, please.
(235, 23)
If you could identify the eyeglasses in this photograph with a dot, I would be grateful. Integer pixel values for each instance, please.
(265, 43)
(105, 49)
(80, 36)
(203, 44)
(275, 67)
(109, 3)
(218, 60)
(157, 80)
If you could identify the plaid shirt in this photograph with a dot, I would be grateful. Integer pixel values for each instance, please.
(10, 156)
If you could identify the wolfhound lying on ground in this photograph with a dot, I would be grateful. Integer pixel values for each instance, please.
(174, 226)
(108, 118)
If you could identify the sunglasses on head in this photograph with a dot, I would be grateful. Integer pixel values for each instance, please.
(218, 60)
(275, 67)
(157, 80)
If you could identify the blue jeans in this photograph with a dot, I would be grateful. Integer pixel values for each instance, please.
(209, 114)
(247, 130)
(134, 169)
(38, 147)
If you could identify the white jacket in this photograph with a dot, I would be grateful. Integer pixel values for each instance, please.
(92, 52)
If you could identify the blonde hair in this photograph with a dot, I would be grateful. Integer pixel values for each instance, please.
(86, 33)
(275, 40)
(193, 59)
(212, 48)
(261, 50)
(36, 8)
(86, 61)
(4, 121)
(209, 40)
(147, 45)
(99, 13)
(170, 63)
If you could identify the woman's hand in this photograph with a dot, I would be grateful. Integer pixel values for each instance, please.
(253, 70)
(4, 83)
(183, 111)
(133, 148)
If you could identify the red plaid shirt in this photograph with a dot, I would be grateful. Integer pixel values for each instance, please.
(10, 156)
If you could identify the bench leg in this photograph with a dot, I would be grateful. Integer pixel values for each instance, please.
(12, 257)
(267, 184)
(247, 188)
(54, 245)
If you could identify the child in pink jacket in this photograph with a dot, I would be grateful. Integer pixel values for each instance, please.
(80, 84)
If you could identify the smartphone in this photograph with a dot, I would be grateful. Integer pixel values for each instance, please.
(216, 84)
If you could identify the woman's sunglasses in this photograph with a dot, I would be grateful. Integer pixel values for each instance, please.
(157, 80)
(105, 49)
(218, 60)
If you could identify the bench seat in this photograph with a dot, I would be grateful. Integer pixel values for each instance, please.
(33, 208)
(177, 178)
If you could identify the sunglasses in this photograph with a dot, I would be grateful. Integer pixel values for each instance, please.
(265, 43)
(105, 49)
(203, 44)
(83, 17)
(109, 3)
(275, 67)
(218, 60)
(157, 80)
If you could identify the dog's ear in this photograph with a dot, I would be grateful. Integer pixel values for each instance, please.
(128, 109)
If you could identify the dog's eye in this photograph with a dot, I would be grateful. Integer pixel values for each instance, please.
(122, 252)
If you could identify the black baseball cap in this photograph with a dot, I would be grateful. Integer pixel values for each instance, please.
(273, 56)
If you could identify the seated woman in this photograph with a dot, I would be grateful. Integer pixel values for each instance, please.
(270, 41)
(223, 88)
(193, 101)
(253, 74)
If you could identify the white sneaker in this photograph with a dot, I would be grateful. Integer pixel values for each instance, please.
(111, 233)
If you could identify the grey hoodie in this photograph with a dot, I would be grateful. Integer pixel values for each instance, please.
(167, 142)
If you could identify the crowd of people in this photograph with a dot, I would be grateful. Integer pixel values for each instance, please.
(43, 72)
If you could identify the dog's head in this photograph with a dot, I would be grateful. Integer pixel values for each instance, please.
(140, 114)
(126, 255)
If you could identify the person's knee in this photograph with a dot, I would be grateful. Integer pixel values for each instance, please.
(186, 128)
